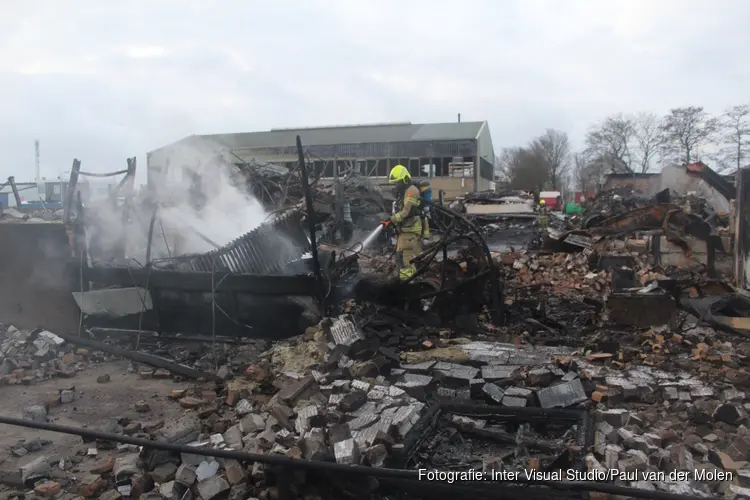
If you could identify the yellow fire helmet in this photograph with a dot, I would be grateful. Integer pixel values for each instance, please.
(399, 173)
(542, 202)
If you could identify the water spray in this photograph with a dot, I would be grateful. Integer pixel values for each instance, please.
(371, 237)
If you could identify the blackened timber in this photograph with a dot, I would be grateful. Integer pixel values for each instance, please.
(514, 414)
(503, 437)
(742, 229)
(311, 221)
(301, 285)
(139, 357)
(67, 196)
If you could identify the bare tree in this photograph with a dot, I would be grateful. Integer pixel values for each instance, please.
(685, 130)
(590, 171)
(735, 128)
(525, 168)
(553, 149)
(507, 162)
(500, 170)
(612, 138)
(583, 180)
(648, 139)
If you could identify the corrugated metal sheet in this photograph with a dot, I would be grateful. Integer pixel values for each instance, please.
(358, 134)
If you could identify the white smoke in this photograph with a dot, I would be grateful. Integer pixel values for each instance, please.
(227, 210)
(224, 211)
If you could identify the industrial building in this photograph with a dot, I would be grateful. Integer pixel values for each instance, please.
(458, 156)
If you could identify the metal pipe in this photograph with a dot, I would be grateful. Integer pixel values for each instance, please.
(111, 174)
(311, 223)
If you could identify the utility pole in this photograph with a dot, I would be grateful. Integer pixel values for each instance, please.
(37, 162)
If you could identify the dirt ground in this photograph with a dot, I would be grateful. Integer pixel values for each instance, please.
(94, 404)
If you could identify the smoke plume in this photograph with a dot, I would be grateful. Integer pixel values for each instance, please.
(202, 204)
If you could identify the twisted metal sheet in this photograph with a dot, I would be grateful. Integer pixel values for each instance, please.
(262, 251)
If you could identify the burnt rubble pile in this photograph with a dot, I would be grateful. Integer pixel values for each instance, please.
(648, 419)
(324, 396)
(625, 199)
(500, 227)
(11, 215)
(615, 201)
(32, 356)
(600, 360)
(509, 212)
(564, 273)
(358, 389)
(335, 394)
(228, 356)
(331, 395)
(276, 187)
(387, 388)
(492, 444)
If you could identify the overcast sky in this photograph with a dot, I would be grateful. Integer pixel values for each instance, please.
(104, 80)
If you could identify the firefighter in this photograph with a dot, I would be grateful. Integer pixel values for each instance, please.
(407, 221)
(542, 219)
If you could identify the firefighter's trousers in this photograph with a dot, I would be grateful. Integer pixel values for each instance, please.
(408, 246)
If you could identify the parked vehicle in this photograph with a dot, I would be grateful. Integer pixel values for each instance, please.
(552, 200)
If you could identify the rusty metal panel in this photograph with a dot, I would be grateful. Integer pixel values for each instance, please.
(35, 284)
(650, 217)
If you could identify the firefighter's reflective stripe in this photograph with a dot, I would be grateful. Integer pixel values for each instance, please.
(407, 272)
(408, 246)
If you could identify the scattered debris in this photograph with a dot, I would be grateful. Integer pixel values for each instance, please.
(612, 343)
